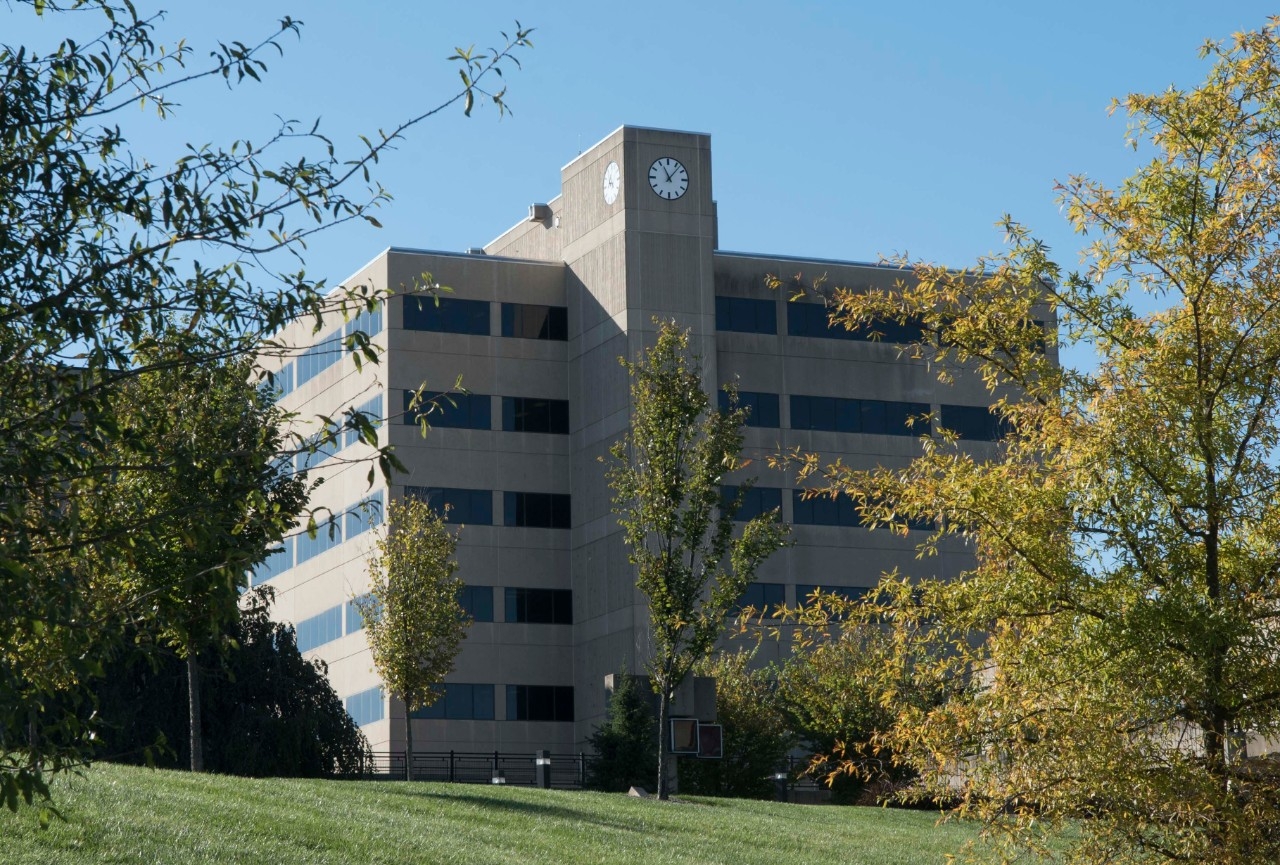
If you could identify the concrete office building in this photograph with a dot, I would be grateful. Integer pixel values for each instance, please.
(534, 325)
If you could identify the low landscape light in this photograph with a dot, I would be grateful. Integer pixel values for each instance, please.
(500, 777)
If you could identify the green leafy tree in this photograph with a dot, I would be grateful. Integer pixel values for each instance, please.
(623, 744)
(268, 711)
(215, 499)
(413, 618)
(666, 476)
(834, 693)
(101, 249)
(1118, 632)
(757, 736)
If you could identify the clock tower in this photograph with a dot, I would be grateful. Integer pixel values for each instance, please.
(635, 225)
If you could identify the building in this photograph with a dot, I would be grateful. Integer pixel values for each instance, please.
(534, 325)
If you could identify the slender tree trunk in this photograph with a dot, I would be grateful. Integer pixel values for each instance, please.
(408, 738)
(193, 712)
(33, 739)
(664, 711)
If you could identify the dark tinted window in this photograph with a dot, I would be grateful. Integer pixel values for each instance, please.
(539, 606)
(757, 501)
(451, 410)
(460, 702)
(477, 602)
(813, 319)
(765, 598)
(823, 510)
(530, 414)
(762, 408)
(447, 315)
(858, 415)
(530, 321)
(976, 423)
(473, 507)
(746, 315)
(536, 510)
(853, 593)
(539, 703)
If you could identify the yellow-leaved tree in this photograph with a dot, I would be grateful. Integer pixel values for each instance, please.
(413, 618)
(1114, 655)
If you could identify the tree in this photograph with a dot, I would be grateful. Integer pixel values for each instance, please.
(666, 475)
(102, 248)
(215, 500)
(269, 712)
(1117, 637)
(757, 735)
(413, 617)
(832, 691)
(623, 744)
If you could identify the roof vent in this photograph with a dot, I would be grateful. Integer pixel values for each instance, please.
(475, 250)
(539, 212)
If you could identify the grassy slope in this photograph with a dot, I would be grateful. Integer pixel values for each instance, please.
(117, 814)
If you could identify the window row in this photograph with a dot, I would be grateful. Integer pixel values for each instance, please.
(762, 408)
(817, 511)
(523, 606)
(330, 625)
(456, 315)
(461, 701)
(767, 599)
(346, 525)
(824, 413)
(323, 445)
(870, 416)
(475, 507)
(366, 707)
(316, 358)
(472, 411)
(814, 319)
(867, 416)
(760, 315)
(840, 511)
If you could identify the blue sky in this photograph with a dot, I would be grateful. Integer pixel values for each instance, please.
(841, 130)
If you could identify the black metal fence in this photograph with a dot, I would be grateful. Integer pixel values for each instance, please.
(568, 771)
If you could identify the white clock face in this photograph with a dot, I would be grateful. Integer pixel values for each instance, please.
(668, 178)
(612, 182)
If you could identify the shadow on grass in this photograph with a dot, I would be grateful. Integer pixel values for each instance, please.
(513, 806)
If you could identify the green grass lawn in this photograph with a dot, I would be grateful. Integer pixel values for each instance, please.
(119, 814)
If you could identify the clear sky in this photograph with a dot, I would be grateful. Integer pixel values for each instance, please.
(845, 130)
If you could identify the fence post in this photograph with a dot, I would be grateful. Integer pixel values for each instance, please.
(450, 765)
(582, 769)
(542, 769)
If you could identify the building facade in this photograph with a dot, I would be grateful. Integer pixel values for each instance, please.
(534, 325)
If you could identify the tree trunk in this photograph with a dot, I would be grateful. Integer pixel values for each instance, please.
(408, 738)
(664, 711)
(33, 740)
(193, 712)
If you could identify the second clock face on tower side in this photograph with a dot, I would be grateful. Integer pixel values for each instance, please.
(612, 182)
(668, 178)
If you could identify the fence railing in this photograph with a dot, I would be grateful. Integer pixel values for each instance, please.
(480, 767)
(568, 771)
